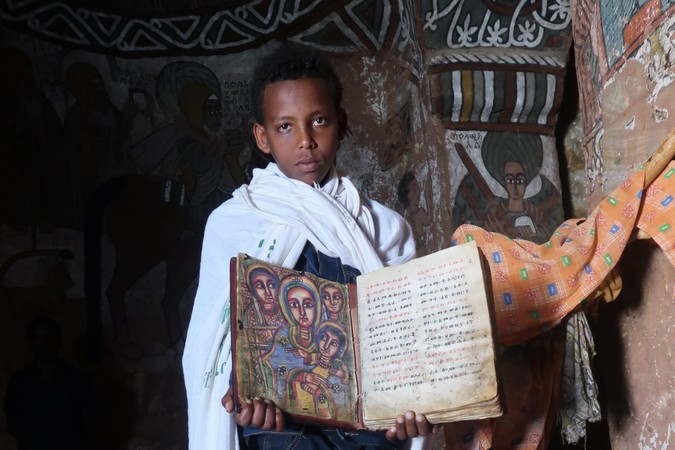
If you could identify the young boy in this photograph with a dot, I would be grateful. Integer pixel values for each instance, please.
(299, 213)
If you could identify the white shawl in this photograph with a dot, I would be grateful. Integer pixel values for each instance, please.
(272, 218)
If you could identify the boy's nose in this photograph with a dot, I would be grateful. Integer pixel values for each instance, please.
(307, 141)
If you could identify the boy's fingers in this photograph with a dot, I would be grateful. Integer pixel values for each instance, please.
(391, 433)
(245, 416)
(259, 413)
(228, 401)
(400, 428)
(423, 425)
(280, 419)
(270, 416)
(410, 425)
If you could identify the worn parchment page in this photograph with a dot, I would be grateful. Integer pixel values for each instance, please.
(426, 340)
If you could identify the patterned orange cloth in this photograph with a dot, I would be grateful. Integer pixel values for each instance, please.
(535, 286)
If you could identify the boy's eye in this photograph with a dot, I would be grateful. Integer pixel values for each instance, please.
(284, 127)
(319, 121)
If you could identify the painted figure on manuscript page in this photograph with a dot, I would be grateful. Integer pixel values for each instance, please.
(333, 298)
(315, 390)
(264, 285)
(294, 344)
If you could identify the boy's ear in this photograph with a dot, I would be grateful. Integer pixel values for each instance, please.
(342, 123)
(261, 138)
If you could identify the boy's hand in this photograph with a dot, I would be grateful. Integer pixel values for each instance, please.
(257, 413)
(409, 425)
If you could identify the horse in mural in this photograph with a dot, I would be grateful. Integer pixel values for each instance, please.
(147, 221)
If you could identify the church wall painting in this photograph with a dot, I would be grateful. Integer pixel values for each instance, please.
(491, 48)
(141, 98)
(624, 67)
(505, 187)
(498, 70)
(496, 74)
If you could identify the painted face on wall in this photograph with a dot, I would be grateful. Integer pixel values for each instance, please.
(514, 179)
(213, 114)
(302, 306)
(302, 128)
(332, 298)
(329, 344)
(265, 288)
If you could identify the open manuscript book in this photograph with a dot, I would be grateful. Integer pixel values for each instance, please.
(419, 338)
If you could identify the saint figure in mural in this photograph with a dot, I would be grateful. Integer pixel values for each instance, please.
(189, 165)
(193, 148)
(514, 160)
(314, 390)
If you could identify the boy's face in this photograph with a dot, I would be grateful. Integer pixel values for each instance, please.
(302, 128)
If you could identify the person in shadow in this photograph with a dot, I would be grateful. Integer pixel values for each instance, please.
(49, 402)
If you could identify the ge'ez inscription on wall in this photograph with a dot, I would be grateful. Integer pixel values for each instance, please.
(236, 106)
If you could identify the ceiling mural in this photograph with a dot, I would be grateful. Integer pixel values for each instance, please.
(496, 64)
(523, 24)
(152, 28)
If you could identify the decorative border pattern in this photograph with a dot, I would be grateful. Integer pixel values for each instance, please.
(496, 64)
(498, 98)
(464, 24)
(338, 26)
(502, 58)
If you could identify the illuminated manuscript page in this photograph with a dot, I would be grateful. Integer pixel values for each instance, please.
(426, 340)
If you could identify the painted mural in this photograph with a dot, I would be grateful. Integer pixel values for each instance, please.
(633, 42)
(501, 104)
(626, 70)
(125, 127)
(509, 194)
(217, 27)
(515, 81)
(496, 73)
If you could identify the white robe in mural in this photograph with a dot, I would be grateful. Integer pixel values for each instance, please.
(271, 219)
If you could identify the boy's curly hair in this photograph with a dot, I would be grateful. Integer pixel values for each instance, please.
(291, 62)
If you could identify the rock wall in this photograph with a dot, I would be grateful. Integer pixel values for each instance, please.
(625, 71)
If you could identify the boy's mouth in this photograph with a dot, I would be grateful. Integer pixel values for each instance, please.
(309, 164)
